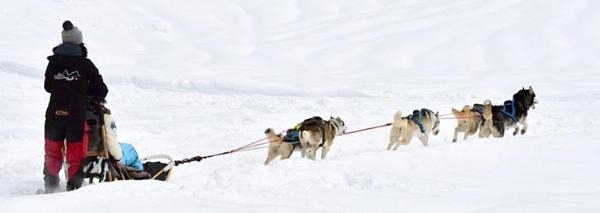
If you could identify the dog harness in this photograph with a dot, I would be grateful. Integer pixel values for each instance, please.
(292, 136)
(509, 110)
(479, 108)
(418, 120)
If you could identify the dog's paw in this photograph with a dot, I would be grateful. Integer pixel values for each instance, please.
(523, 131)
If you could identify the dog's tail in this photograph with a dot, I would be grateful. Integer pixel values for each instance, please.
(487, 110)
(269, 130)
(454, 110)
(398, 120)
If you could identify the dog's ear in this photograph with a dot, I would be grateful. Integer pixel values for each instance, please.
(531, 90)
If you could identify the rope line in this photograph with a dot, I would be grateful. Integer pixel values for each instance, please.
(365, 129)
(461, 117)
(255, 145)
(258, 144)
(444, 115)
(250, 146)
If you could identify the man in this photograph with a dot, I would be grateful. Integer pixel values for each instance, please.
(70, 78)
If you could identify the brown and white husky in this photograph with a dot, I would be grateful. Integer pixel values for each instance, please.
(316, 132)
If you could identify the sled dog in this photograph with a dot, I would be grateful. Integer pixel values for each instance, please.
(513, 112)
(278, 147)
(486, 127)
(316, 132)
(420, 124)
(468, 121)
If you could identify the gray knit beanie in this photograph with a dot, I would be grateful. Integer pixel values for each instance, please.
(71, 33)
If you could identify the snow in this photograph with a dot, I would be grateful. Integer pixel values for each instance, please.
(191, 78)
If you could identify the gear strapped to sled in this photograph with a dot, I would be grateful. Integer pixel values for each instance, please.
(100, 163)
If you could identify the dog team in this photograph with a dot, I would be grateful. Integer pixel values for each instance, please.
(491, 120)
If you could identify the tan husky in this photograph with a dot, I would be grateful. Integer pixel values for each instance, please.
(316, 132)
(420, 124)
(468, 121)
(471, 118)
(278, 147)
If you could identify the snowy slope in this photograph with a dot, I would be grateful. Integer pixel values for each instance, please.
(191, 78)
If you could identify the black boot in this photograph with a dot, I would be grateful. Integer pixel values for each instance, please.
(75, 181)
(50, 182)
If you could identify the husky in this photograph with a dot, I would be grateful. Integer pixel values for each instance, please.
(514, 112)
(472, 118)
(316, 132)
(486, 127)
(420, 124)
(278, 146)
(468, 121)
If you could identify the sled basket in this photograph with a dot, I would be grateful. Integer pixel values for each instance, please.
(160, 166)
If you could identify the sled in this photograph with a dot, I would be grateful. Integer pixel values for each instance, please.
(98, 164)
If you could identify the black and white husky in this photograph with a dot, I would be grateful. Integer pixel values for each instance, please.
(513, 112)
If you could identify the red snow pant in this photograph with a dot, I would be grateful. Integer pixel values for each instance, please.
(56, 133)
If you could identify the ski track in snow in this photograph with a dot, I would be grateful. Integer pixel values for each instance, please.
(207, 77)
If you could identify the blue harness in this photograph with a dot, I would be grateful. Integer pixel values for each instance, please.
(418, 120)
(509, 110)
(292, 137)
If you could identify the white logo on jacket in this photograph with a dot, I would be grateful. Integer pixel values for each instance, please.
(67, 76)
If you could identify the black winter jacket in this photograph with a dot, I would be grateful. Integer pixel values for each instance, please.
(70, 78)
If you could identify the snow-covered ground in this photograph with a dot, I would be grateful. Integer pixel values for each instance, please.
(191, 78)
